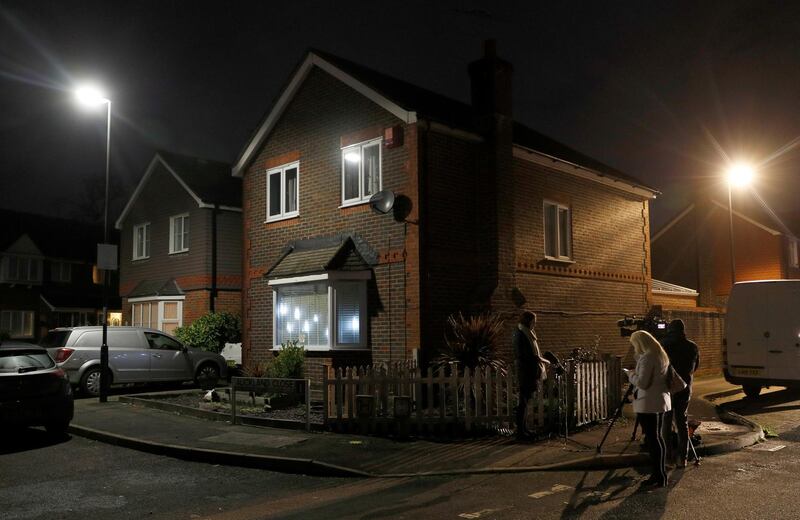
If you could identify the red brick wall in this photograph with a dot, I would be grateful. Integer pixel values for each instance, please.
(323, 114)
(706, 327)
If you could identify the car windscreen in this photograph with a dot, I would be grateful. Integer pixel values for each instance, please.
(55, 339)
(24, 361)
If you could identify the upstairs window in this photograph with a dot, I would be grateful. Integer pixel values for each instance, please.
(361, 172)
(141, 241)
(283, 192)
(179, 233)
(61, 271)
(557, 231)
(21, 269)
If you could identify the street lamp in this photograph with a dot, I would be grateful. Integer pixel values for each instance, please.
(738, 175)
(92, 96)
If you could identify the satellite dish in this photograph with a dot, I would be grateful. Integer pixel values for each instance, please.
(382, 202)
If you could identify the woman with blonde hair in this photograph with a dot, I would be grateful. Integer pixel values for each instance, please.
(652, 398)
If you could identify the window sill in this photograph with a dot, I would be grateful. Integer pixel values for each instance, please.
(140, 259)
(328, 349)
(354, 203)
(178, 252)
(282, 218)
(558, 260)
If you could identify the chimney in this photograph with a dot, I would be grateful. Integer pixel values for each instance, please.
(491, 83)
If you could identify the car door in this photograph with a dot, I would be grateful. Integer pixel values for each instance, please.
(168, 361)
(784, 345)
(126, 357)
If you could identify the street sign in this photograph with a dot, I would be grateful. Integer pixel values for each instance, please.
(107, 257)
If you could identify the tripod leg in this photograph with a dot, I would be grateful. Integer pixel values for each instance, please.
(617, 414)
(694, 452)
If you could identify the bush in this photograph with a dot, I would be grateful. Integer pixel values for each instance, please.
(289, 363)
(211, 331)
(472, 342)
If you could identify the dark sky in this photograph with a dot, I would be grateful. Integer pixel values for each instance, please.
(642, 86)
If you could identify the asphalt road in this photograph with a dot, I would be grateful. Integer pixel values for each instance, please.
(77, 478)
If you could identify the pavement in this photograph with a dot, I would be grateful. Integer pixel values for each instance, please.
(134, 425)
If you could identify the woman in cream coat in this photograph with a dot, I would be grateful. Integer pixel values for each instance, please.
(652, 398)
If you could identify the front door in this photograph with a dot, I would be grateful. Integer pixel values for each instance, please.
(168, 362)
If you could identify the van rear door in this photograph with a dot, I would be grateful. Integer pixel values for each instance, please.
(783, 352)
(748, 310)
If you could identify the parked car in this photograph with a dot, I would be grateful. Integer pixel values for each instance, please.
(135, 355)
(762, 335)
(33, 390)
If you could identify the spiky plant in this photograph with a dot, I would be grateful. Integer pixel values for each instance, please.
(472, 342)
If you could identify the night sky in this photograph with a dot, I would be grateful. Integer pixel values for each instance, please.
(645, 87)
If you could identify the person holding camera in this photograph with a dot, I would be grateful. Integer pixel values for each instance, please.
(652, 399)
(531, 367)
(684, 357)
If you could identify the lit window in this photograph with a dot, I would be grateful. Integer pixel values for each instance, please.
(283, 192)
(141, 241)
(557, 231)
(361, 172)
(19, 324)
(179, 233)
(164, 315)
(302, 313)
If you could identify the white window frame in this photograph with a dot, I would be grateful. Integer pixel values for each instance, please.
(333, 279)
(148, 302)
(61, 269)
(8, 317)
(794, 261)
(559, 207)
(281, 170)
(28, 278)
(146, 246)
(184, 219)
(362, 198)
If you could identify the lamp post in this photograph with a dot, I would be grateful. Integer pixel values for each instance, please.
(739, 175)
(92, 96)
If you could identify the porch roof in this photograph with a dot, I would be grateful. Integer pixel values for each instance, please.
(156, 288)
(320, 255)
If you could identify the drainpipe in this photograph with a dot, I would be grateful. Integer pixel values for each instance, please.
(213, 296)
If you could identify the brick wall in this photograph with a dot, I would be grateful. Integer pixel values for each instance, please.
(324, 115)
(706, 327)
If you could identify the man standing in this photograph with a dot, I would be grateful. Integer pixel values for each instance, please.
(531, 366)
(684, 357)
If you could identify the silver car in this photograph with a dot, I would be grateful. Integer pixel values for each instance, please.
(135, 355)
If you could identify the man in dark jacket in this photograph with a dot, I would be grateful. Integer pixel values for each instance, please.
(530, 366)
(684, 357)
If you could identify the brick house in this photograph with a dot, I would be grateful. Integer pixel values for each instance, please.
(46, 275)
(693, 248)
(488, 215)
(180, 243)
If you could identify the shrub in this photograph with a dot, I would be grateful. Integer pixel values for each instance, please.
(211, 331)
(472, 342)
(289, 363)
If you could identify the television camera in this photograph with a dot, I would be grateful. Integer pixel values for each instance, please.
(653, 324)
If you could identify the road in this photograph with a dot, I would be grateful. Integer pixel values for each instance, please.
(77, 478)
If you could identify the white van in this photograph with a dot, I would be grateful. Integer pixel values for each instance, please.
(762, 335)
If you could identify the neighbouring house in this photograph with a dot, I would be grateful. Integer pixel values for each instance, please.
(487, 215)
(693, 248)
(181, 243)
(47, 275)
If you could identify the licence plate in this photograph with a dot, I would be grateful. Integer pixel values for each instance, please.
(748, 371)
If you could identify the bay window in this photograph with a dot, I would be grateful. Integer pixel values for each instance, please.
(164, 314)
(19, 324)
(321, 312)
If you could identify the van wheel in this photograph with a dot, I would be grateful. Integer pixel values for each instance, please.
(751, 391)
(207, 376)
(90, 381)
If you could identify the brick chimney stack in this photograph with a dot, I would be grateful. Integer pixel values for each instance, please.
(491, 83)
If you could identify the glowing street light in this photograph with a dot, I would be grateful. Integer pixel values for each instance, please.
(92, 96)
(739, 175)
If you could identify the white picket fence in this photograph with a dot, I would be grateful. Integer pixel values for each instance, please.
(381, 399)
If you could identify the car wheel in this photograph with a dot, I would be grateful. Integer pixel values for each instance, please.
(57, 428)
(207, 376)
(90, 382)
(751, 391)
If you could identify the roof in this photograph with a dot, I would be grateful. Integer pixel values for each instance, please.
(660, 286)
(409, 103)
(208, 182)
(156, 288)
(54, 237)
(321, 255)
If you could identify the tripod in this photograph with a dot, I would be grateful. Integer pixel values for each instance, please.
(617, 414)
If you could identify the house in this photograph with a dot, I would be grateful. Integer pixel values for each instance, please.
(488, 215)
(46, 275)
(180, 245)
(693, 248)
